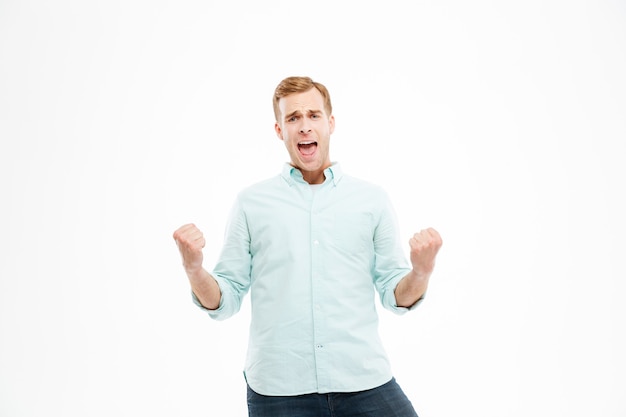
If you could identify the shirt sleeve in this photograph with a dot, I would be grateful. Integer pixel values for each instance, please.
(232, 271)
(390, 263)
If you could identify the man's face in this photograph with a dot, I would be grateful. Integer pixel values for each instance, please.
(305, 128)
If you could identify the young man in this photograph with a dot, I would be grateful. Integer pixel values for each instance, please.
(312, 245)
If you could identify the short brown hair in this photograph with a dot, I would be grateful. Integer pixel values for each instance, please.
(291, 85)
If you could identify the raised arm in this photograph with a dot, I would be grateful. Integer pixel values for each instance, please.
(190, 241)
(424, 247)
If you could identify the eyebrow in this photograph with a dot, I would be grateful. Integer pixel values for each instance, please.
(297, 112)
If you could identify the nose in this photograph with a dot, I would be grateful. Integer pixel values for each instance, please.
(304, 129)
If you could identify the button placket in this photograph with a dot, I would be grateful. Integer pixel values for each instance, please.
(317, 292)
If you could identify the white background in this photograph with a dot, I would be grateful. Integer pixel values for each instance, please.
(501, 124)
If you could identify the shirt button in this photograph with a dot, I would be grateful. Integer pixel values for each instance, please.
(319, 346)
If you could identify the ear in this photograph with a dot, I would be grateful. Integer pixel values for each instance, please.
(279, 131)
(331, 123)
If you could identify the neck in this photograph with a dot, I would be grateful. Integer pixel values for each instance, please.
(314, 177)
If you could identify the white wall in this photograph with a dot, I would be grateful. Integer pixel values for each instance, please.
(502, 124)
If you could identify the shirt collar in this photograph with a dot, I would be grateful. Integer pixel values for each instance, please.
(292, 174)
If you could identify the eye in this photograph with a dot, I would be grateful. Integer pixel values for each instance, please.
(292, 119)
(315, 116)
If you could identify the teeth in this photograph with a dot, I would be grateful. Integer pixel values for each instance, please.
(306, 143)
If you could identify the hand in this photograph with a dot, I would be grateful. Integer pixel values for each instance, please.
(190, 241)
(424, 248)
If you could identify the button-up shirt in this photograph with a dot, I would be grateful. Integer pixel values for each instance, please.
(312, 260)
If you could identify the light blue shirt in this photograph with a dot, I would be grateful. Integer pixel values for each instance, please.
(312, 260)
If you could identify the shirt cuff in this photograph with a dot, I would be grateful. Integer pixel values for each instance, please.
(216, 314)
(391, 303)
(222, 312)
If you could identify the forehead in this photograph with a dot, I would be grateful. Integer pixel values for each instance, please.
(303, 102)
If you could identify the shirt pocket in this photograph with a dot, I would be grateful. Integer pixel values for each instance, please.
(352, 232)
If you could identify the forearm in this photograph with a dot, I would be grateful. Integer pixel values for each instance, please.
(424, 248)
(411, 288)
(205, 287)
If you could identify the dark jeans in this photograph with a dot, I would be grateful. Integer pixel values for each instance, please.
(388, 400)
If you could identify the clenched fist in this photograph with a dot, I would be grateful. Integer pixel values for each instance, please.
(424, 248)
(190, 241)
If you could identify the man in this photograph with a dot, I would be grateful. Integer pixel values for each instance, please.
(312, 245)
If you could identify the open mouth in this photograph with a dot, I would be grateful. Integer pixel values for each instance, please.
(307, 148)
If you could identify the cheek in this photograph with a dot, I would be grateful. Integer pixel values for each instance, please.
(290, 144)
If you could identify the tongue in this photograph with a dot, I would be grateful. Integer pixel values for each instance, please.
(308, 150)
